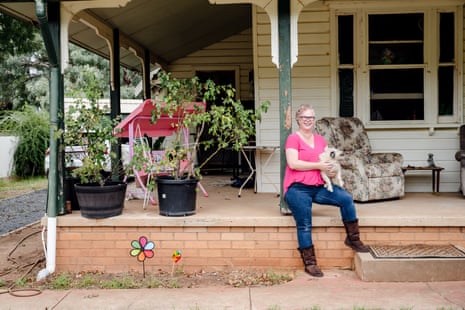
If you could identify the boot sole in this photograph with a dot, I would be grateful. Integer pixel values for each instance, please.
(349, 244)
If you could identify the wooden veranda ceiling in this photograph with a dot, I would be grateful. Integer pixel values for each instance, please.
(169, 29)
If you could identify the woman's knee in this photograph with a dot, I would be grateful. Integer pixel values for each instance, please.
(296, 197)
(344, 197)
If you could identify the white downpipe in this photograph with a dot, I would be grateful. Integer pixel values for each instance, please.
(50, 251)
(51, 244)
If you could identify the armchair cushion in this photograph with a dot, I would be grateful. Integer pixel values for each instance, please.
(460, 157)
(367, 176)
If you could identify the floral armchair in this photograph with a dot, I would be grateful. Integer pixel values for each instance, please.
(460, 156)
(367, 176)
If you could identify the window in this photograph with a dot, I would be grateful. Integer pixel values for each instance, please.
(398, 67)
(446, 64)
(346, 64)
(395, 59)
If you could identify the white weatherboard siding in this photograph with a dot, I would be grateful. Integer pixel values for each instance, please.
(415, 145)
(311, 83)
(234, 53)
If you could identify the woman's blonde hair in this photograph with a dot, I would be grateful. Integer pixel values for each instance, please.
(302, 108)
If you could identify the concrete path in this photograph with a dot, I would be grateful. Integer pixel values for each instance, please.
(336, 290)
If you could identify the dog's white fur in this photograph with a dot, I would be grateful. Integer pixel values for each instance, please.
(332, 155)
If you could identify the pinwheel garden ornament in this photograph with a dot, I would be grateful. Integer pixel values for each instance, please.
(177, 255)
(142, 249)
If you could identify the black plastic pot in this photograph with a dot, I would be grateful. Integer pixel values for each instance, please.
(97, 201)
(177, 197)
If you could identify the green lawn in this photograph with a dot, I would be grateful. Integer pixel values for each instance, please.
(12, 186)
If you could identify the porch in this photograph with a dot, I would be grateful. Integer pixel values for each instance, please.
(229, 232)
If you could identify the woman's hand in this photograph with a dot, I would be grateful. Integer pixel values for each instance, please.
(327, 166)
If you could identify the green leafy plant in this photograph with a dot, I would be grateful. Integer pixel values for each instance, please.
(31, 125)
(125, 282)
(87, 125)
(183, 101)
(62, 282)
(86, 281)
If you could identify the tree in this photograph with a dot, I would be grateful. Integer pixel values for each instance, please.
(82, 60)
(16, 37)
(22, 62)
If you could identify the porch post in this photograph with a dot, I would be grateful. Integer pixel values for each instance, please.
(285, 87)
(115, 99)
(147, 77)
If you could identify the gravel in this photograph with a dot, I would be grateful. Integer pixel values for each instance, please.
(22, 210)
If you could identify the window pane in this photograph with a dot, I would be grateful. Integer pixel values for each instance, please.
(396, 94)
(396, 53)
(446, 38)
(346, 93)
(396, 81)
(392, 27)
(396, 39)
(446, 90)
(346, 39)
(398, 109)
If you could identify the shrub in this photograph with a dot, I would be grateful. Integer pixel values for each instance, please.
(31, 125)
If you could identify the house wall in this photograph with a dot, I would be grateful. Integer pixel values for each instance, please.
(233, 53)
(312, 83)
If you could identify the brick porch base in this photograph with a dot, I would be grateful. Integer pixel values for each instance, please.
(228, 232)
(106, 248)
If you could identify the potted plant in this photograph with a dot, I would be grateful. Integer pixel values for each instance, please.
(90, 130)
(184, 104)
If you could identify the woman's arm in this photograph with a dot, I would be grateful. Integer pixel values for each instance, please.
(293, 161)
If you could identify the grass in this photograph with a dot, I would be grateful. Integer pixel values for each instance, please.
(62, 282)
(14, 186)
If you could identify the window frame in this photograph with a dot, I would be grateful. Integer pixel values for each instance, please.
(361, 67)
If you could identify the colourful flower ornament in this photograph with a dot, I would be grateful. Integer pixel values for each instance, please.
(142, 249)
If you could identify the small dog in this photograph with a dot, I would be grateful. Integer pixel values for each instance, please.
(333, 155)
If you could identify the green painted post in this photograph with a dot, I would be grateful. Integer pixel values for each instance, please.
(50, 28)
(115, 104)
(285, 87)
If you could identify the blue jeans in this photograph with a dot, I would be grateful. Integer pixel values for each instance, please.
(299, 198)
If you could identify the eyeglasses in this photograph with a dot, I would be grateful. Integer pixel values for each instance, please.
(307, 118)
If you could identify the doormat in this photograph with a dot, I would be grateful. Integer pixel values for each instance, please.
(416, 251)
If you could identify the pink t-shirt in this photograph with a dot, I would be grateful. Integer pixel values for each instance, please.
(306, 153)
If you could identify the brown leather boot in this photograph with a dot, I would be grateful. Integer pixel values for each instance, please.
(309, 259)
(353, 237)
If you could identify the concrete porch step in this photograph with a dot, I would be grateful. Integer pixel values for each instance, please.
(372, 269)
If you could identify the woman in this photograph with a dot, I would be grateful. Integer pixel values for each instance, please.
(304, 185)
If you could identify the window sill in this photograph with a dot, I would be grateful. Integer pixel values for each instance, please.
(381, 125)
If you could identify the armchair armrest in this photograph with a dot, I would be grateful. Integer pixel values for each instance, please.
(356, 158)
(382, 158)
(353, 160)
